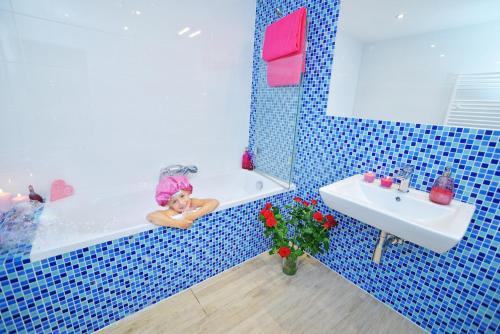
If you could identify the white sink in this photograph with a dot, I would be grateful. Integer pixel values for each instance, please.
(410, 216)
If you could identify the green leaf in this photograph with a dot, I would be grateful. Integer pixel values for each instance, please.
(326, 246)
(308, 230)
(298, 228)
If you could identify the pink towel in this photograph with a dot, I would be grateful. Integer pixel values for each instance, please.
(285, 37)
(285, 71)
(284, 49)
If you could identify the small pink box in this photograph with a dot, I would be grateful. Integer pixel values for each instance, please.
(369, 177)
(386, 182)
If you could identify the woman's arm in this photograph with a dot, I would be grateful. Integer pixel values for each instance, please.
(204, 206)
(163, 218)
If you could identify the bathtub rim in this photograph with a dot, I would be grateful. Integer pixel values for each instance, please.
(38, 255)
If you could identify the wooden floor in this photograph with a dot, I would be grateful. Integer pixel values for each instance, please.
(256, 297)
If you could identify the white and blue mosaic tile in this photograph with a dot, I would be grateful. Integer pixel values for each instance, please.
(272, 124)
(455, 292)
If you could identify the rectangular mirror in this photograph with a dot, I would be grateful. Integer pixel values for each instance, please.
(427, 62)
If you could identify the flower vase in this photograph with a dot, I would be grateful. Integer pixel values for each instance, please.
(290, 265)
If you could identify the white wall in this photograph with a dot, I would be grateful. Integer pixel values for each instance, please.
(102, 93)
(406, 79)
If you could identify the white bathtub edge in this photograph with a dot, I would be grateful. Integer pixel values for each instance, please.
(40, 255)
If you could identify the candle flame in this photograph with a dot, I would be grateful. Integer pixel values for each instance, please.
(18, 195)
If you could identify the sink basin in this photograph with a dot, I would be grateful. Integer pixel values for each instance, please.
(410, 216)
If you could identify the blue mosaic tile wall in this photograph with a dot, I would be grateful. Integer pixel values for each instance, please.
(456, 292)
(85, 290)
(273, 121)
(273, 118)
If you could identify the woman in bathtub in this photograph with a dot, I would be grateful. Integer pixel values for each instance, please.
(182, 211)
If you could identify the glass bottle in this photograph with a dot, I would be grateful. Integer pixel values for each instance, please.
(246, 160)
(442, 189)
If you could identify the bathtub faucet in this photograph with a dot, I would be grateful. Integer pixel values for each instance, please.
(173, 170)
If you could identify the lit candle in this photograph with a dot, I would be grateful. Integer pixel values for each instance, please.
(19, 199)
(5, 202)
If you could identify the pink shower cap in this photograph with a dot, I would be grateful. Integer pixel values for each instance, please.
(169, 186)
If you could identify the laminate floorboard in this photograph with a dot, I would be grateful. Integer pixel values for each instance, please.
(256, 297)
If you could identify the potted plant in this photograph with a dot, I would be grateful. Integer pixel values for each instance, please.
(302, 229)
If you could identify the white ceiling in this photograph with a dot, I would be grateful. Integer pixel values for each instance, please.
(373, 20)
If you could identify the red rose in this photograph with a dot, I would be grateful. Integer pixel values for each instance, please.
(266, 213)
(284, 251)
(297, 199)
(306, 203)
(268, 206)
(271, 221)
(329, 224)
(330, 218)
(318, 216)
(314, 202)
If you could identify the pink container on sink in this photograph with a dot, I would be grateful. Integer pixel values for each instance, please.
(386, 182)
(369, 177)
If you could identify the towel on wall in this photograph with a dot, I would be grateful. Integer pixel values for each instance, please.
(285, 37)
(284, 49)
(285, 71)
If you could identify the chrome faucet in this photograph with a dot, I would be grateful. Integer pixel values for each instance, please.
(404, 175)
(173, 170)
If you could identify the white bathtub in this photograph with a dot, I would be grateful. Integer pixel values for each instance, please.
(83, 220)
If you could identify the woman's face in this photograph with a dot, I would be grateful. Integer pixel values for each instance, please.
(181, 202)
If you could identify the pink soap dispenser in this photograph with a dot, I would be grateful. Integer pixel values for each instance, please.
(246, 160)
(442, 189)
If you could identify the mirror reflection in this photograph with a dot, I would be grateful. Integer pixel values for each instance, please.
(429, 62)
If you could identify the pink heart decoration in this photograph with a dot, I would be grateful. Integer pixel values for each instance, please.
(60, 189)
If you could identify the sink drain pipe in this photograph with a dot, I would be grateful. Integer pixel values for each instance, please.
(384, 239)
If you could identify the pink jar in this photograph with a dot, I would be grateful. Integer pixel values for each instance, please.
(369, 177)
(386, 182)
